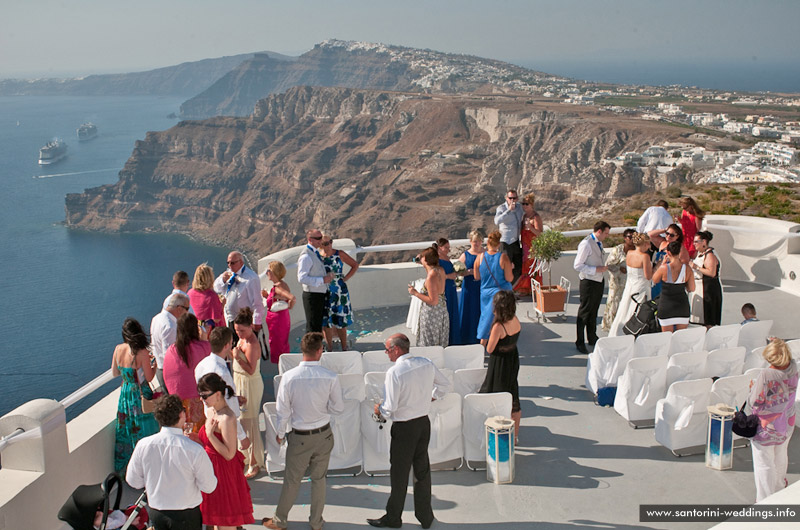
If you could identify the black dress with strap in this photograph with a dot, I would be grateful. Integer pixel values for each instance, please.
(504, 369)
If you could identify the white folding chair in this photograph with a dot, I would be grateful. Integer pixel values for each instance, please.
(732, 390)
(755, 359)
(794, 347)
(461, 357)
(476, 409)
(346, 427)
(375, 361)
(689, 339)
(375, 440)
(688, 365)
(468, 380)
(754, 334)
(276, 383)
(374, 382)
(276, 455)
(652, 345)
(725, 361)
(753, 373)
(607, 362)
(682, 416)
(722, 337)
(641, 385)
(343, 362)
(445, 448)
(434, 353)
(287, 361)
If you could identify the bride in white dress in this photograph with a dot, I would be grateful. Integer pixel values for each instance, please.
(640, 271)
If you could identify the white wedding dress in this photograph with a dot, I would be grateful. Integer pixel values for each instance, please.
(636, 284)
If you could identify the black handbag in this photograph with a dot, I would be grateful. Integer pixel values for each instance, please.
(745, 425)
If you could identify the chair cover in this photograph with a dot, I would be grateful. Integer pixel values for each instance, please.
(460, 357)
(755, 359)
(468, 380)
(732, 390)
(375, 361)
(346, 426)
(754, 334)
(446, 443)
(608, 360)
(725, 361)
(276, 455)
(689, 339)
(476, 408)
(652, 344)
(276, 383)
(374, 386)
(682, 416)
(343, 362)
(794, 347)
(412, 320)
(375, 441)
(434, 353)
(287, 361)
(684, 366)
(722, 337)
(640, 387)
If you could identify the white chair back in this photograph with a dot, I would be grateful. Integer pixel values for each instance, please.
(353, 387)
(725, 361)
(461, 357)
(434, 353)
(476, 409)
(287, 361)
(754, 334)
(375, 361)
(684, 366)
(682, 416)
(276, 454)
(732, 390)
(689, 339)
(445, 444)
(343, 362)
(794, 347)
(608, 360)
(755, 358)
(640, 387)
(722, 337)
(346, 426)
(374, 386)
(468, 380)
(276, 383)
(375, 440)
(652, 344)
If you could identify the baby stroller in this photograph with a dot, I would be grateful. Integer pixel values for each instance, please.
(644, 319)
(81, 509)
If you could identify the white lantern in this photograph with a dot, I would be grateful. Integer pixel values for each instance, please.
(719, 443)
(499, 449)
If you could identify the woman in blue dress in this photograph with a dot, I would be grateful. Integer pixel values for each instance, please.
(493, 269)
(338, 310)
(469, 306)
(442, 246)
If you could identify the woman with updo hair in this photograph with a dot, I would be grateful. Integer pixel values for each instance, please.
(179, 363)
(494, 270)
(248, 381)
(132, 361)
(772, 398)
(469, 306)
(707, 296)
(637, 283)
(434, 321)
(229, 505)
(691, 221)
(442, 246)
(673, 305)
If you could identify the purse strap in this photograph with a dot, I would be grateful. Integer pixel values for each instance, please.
(488, 268)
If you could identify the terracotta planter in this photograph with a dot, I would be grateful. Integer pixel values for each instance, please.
(552, 300)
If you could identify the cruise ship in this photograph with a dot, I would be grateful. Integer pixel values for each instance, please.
(578, 465)
(86, 132)
(52, 152)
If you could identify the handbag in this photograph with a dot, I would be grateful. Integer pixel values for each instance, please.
(263, 342)
(279, 305)
(745, 425)
(148, 398)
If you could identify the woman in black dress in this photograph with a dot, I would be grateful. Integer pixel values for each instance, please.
(706, 266)
(503, 355)
(673, 305)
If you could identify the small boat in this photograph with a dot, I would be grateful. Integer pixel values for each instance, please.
(86, 132)
(52, 152)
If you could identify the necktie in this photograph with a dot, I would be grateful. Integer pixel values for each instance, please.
(231, 281)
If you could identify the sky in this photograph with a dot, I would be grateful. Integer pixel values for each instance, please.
(61, 38)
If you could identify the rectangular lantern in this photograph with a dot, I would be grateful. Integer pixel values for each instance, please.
(499, 449)
(719, 443)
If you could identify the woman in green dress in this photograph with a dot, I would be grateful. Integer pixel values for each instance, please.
(133, 362)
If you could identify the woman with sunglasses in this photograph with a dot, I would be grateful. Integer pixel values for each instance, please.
(691, 221)
(677, 281)
(707, 297)
(532, 226)
(229, 505)
(338, 310)
(248, 381)
(664, 238)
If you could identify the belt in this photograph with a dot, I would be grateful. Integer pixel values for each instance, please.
(312, 431)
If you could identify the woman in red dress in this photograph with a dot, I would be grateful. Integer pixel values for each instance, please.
(531, 227)
(691, 222)
(229, 505)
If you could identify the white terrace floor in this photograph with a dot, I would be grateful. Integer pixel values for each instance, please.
(577, 465)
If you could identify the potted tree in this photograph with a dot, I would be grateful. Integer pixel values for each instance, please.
(546, 248)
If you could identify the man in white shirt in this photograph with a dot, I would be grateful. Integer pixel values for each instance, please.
(307, 397)
(508, 219)
(172, 469)
(654, 218)
(163, 329)
(589, 262)
(241, 288)
(312, 277)
(411, 384)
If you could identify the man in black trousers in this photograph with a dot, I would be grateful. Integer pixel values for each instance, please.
(590, 264)
(411, 384)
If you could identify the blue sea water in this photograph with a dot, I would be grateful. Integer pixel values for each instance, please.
(67, 292)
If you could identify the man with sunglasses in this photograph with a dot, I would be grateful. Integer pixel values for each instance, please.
(312, 277)
(241, 288)
(508, 219)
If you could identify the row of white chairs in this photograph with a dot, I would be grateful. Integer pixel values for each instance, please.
(361, 444)
(611, 354)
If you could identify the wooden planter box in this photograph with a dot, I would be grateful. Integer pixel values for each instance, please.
(553, 299)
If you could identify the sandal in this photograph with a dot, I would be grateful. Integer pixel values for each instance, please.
(252, 472)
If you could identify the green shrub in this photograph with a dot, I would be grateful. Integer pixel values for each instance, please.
(674, 192)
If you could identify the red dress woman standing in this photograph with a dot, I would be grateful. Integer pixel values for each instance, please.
(531, 227)
(691, 222)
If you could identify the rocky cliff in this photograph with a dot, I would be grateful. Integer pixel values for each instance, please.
(376, 166)
(335, 63)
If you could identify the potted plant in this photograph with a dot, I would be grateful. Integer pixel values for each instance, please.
(546, 248)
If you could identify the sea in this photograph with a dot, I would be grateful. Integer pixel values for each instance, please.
(66, 292)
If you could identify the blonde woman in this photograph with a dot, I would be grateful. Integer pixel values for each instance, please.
(637, 283)
(204, 301)
(434, 321)
(469, 307)
(279, 301)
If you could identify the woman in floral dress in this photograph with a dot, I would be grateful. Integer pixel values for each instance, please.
(338, 312)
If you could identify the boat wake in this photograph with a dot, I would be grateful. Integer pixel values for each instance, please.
(74, 173)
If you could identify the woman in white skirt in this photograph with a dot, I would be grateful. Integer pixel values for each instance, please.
(640, 271)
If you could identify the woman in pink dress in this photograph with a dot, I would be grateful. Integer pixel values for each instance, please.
(205, 302)
(532, 226)
(179, 364)
(691, 222)
(279, 301)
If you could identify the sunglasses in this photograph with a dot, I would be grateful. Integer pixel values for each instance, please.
(513, 198)
(315, 238)
(672, 234)
(327, 243)
(525, 203)
(206, 395)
